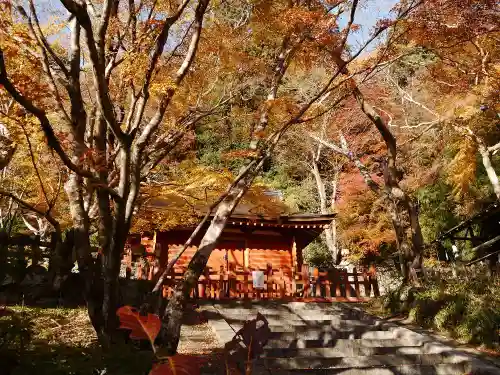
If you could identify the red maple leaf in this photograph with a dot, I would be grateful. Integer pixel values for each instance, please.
(141, 326)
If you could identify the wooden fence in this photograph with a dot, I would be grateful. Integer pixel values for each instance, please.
(334, 284)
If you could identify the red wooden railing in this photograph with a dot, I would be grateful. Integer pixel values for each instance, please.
(335, 284)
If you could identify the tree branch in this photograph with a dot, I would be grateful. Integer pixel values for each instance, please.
(28, 206)
(156, 53)
(98, 68)
(349, 24)
(42, 38)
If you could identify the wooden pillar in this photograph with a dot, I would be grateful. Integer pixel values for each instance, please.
(295, 265)
(317, 283)
(373, 281)
(246, 257)
(347, 284)
(35, 251)
(366, 283)
(305, 281)
(356, 282)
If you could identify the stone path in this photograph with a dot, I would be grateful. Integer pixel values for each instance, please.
(315, 338)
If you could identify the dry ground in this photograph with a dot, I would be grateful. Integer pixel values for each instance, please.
(64, 342)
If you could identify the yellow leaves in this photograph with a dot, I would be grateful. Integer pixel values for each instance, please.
(282, 109)
(167, 6)
(133, 66)
(189, 192)
(163, 88)
(462, 169)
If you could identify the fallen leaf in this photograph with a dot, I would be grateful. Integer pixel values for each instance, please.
(141, 326)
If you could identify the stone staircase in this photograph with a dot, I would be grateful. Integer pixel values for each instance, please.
(315, 338)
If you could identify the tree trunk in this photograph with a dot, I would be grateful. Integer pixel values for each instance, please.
(403, 241)
(61, 262)
(330, 232)
(86, 265)
(404, 206)
(411, 231)
(333, 226)
(172, 317)
(111, 287)
(485, 155)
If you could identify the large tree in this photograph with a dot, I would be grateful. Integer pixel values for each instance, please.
(103, 111)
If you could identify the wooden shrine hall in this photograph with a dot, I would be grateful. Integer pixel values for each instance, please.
(272, 245)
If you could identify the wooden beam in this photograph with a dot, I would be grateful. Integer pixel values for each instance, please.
(487, 244)
(484, 257)
(467, 238)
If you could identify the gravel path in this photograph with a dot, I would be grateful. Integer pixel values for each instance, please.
(198, 339)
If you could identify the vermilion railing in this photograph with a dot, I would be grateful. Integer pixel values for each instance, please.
(335, 284)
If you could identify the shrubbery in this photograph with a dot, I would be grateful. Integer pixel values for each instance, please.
(468, 309)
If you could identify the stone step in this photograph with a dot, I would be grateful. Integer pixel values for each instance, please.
(290, 334)
(325, 325)
(304, 317)
(392, 360)
(297, 342)
(294, 321)
(440, 369)
(353, 348)
(315, 334)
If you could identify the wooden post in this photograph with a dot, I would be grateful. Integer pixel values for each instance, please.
(295, 265)
(336, 282)
(282, 286)
(244, 286)
(317, 283)
(35, 251)
(356, 282)
(347, 284)
(139, 271)
(366, 283)
(246, 258)
(374, 282)
(231, 279)
(305, 280)
(202, 281)
(328, 289)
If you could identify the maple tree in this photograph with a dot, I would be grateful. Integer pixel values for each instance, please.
(112, 136)
(464, 76)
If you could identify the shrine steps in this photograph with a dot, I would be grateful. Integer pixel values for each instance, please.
(313, 338)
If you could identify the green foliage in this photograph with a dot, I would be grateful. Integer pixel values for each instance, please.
(436, 209)
(406, 67)
(467, 309)
(316, 254)
(214, 145)
(299, 191)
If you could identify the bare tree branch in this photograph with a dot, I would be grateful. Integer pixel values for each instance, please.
(354, 6)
